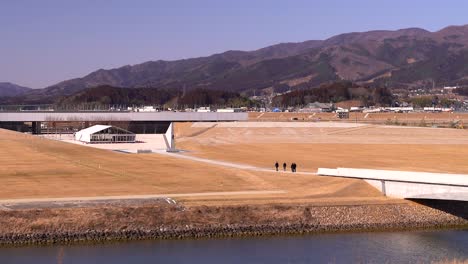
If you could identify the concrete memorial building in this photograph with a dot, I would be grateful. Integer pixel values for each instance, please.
(105, 134)
(135, 123)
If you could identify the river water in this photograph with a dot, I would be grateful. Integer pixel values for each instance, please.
(381, 247)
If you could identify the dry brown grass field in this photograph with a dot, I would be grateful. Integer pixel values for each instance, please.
(369, 146)
(33, 167)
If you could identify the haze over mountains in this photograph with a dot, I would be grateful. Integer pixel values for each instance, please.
(9, 89)
(403, 58)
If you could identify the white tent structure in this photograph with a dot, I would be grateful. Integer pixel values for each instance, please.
(105, 134)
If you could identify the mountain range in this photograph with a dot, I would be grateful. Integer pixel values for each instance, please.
(9, 89)
(403, 58)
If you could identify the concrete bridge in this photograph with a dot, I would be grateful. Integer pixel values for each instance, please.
(408, 185)
(164, 116)
(136, 122)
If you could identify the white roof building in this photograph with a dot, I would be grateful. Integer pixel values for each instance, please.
(105, 134)
(203, 109)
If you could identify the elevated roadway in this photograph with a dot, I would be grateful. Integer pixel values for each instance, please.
(93, 116)
(407, 184)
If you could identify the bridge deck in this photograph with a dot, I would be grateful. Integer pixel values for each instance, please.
(43, 116)
(399, 176)
(407, 184)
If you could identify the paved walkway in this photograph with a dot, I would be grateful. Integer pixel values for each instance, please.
(227, 164)
(94, 200)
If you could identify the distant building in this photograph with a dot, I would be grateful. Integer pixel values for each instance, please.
(142, 109)
(105, 134)
(204, 109)
(372, 110)
(225, 110)
(342, 113)
(230, 110)
(317, 107)
(356, 109)
(438, 109)
(400, 109)
(449, 89)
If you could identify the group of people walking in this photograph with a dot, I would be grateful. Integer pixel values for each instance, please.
(293, 166)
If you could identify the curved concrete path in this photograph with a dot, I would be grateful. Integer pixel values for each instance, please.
(227, 164)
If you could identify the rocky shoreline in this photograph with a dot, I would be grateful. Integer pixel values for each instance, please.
(208, 232)
(21, 227)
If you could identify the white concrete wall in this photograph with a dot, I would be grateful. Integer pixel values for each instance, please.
(421, 191)
(409, 176)
(169, 138)
(83, 137)
(405, 184)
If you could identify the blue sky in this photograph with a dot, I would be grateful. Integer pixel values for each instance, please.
(47, 41)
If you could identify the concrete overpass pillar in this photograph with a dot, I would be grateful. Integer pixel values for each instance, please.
(384, 192)
(36, 128)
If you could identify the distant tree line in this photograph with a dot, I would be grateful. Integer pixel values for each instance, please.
(462, 91)
(105, 95)
(336, 92)
(433, 101)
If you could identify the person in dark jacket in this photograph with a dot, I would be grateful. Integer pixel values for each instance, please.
(276, 166)
(293, 167)
(284, 166)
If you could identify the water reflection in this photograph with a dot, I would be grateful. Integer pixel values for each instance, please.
(388, 247)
